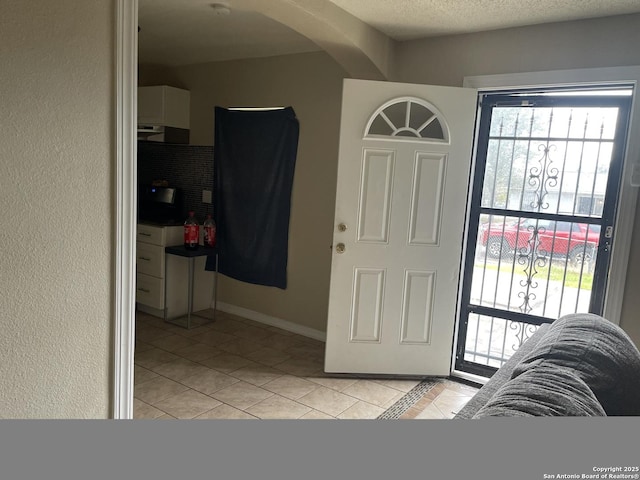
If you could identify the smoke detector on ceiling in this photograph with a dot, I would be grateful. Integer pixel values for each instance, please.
(221, 9)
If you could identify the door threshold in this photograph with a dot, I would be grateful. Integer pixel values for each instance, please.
(382, 376)
(469, 377)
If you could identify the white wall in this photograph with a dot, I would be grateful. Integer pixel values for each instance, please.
(56, 171)
(603, 42)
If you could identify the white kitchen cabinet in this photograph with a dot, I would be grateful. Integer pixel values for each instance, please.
(150, 259)
(155, 270)
(149, 292)
(163, 105)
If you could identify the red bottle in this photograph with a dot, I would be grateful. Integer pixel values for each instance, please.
(209, 232)
(191, 232)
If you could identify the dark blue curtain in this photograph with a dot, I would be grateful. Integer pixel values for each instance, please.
(254, 162)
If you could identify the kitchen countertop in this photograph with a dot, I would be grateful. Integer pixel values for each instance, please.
(162, 223)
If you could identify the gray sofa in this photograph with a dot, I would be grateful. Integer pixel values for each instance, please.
(579, 365)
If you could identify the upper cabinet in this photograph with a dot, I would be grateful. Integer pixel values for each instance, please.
(163, 105)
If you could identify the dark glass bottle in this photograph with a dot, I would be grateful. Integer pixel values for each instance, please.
(191, 232)
(209, 227)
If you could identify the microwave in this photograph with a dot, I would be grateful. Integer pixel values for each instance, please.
(159, 204)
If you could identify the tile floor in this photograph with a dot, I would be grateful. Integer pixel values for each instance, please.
(238, 368)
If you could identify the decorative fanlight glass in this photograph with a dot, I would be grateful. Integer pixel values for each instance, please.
(411, 118)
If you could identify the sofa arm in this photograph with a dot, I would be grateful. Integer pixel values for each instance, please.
(500, 377)
(546, 391)
(598, 352)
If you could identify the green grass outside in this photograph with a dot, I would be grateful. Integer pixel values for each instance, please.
(572, 278)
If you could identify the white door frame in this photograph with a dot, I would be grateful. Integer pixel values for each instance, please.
(124, 278)
(628, 194)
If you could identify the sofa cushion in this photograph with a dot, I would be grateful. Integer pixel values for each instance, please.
(500, 377)
(548, 390)
(599, 352)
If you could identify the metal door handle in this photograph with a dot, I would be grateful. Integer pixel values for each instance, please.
(340, 248)
(342, 227)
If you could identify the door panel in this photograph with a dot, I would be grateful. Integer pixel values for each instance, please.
(375, 196)
(367, 303)
(400, 206)
(426, 199)
(417, 307)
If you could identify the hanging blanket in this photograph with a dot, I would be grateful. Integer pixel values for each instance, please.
(254, 162)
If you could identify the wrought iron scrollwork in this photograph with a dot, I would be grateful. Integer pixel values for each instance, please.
(543, 177)
(523, 332)
(533, 258)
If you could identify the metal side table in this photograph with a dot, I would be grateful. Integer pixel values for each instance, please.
(191, 256)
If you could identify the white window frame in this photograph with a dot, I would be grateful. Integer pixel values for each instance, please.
(437, 115)
(628, 193)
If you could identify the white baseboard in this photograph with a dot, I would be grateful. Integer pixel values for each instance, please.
(272, 321)
(150, 310)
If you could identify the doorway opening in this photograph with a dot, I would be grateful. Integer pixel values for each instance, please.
(542, 215)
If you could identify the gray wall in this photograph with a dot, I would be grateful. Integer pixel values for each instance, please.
(56, 172)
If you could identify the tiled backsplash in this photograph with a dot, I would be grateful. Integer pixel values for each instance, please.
(187, 167)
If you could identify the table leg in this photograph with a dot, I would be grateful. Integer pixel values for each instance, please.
(190, 298)
(215, 289)
(190, 293)
(164, 309)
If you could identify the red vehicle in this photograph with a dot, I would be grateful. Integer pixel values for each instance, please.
(577, 241)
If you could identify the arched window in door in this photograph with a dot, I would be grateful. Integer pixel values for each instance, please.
(408, 117)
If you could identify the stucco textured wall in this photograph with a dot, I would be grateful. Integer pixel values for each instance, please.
(593, 43)
(56, 195)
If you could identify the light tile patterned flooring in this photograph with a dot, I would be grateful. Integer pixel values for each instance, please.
(238, 368)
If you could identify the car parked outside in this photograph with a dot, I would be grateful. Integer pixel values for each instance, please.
(577, 241)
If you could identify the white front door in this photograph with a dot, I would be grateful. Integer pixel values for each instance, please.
(403, 175)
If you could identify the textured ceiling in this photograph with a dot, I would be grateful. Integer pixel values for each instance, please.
(411, 19)
(182, 32)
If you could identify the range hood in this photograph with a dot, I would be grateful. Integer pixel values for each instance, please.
(163, 134)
